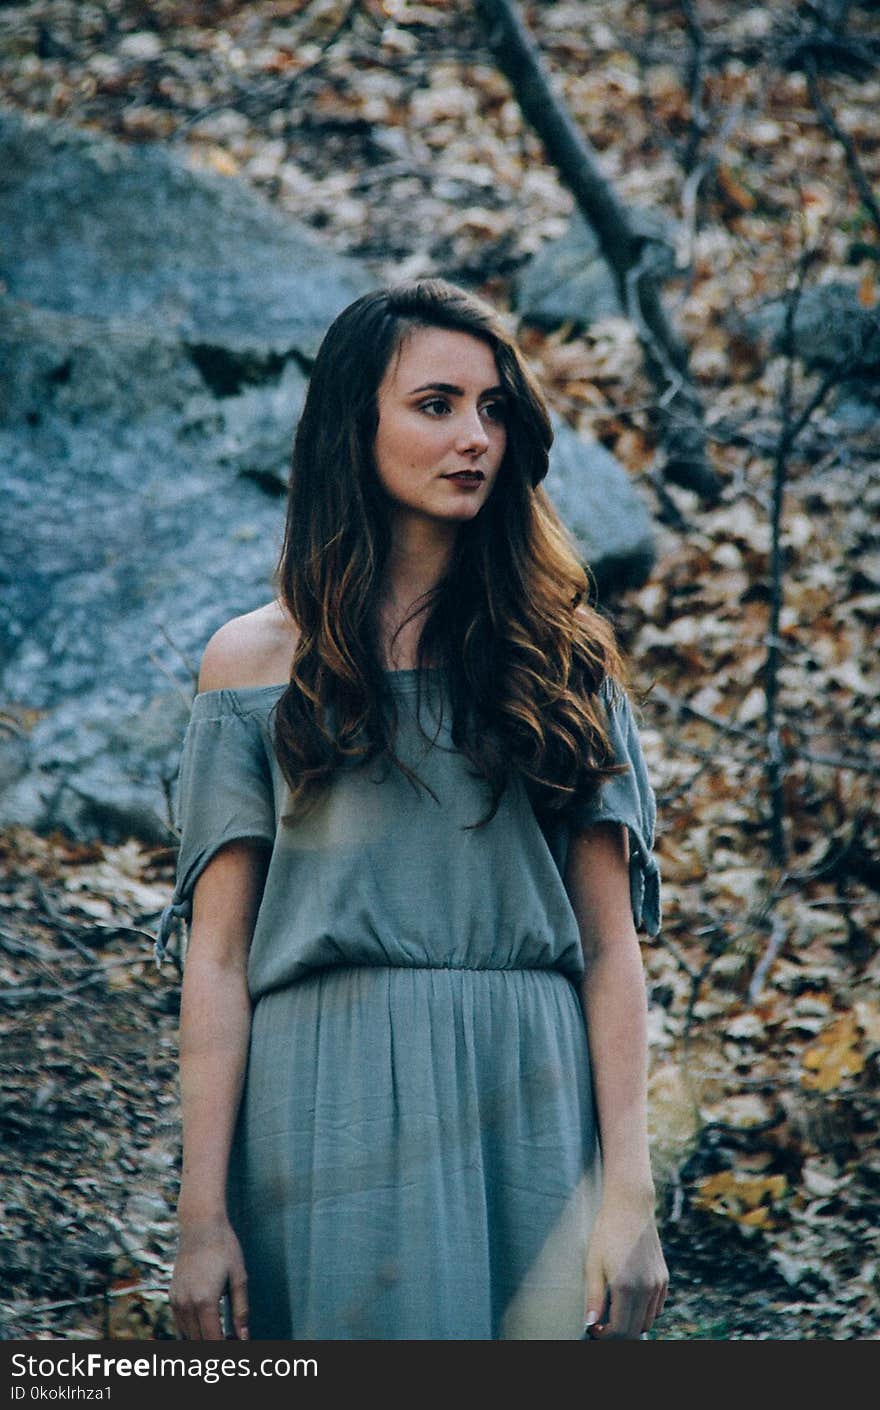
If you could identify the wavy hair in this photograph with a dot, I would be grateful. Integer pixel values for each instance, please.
(509, 623)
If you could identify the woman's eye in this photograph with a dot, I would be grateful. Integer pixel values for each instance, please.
(494, 410)
(435, 407)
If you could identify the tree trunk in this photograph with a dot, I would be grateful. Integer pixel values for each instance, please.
(627, 250)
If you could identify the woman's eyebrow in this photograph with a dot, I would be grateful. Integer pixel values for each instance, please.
(454, 391)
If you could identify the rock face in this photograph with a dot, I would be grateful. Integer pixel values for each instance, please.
(568, 281)
(108, 232)
(832, 329)
(603, 509)
(155, 333)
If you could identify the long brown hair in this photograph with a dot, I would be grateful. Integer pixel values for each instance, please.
(509, 622)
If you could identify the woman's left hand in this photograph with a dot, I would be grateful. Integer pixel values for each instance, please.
(627, 1277)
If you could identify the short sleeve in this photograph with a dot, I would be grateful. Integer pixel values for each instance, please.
(628, 798)
(224, 794)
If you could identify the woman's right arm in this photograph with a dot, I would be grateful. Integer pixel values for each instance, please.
(214, 1035)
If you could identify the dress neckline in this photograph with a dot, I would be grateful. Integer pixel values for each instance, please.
(401, 673)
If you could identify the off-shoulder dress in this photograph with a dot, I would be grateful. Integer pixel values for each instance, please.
(416, 1153)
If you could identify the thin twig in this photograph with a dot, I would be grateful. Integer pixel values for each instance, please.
(790, 428)
(19, 996)
(113, 929)
(677, 1198)
(710, 762)
(681, 707)
(726, 727)
(46, 904)
(190, 666)
(110, 1294)
(169, 676)
(784, 443)
(66, 923)
(696, 986)
(696, 73)
(835, 761)
(835, 375)
(275, 94)
(65, 934)
(860, 181)
(762, 968)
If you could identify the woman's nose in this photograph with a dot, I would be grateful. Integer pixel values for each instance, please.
(473, 435)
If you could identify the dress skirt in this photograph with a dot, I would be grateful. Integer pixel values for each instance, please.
(414, 1154)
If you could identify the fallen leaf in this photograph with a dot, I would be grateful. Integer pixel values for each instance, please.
(868, 1019)
(733, 189)
(740, 1111)
(747, 1199)
(746, 1028)
(834, 1057)
(819, 1181)
(868, 289)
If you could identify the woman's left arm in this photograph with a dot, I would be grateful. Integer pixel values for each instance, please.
(626, 1273)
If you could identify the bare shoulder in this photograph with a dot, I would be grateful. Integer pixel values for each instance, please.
(254, 649)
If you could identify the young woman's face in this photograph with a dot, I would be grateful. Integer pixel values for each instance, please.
(441, 436)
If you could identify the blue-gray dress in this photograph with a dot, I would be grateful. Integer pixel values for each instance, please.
(416, 1153)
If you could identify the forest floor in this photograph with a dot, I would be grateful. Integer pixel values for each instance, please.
(399, 142)
(90, 1150)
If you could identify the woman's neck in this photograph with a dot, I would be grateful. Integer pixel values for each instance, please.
(416, 564)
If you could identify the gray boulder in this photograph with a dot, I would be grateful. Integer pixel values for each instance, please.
(132, 528)
(91, 227)
(568, 280)
(603, 509)
(154, 332)
(831, 329)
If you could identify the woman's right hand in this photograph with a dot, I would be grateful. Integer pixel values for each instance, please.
(209, 1263)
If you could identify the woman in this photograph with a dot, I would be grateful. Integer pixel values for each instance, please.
(416, 833)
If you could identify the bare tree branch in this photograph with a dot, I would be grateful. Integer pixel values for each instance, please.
(276, 94)
(632, 255)
(775, 761)
(790, 428)
(696, 72)
(860, 181)
(762, 968)
(730, 730)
